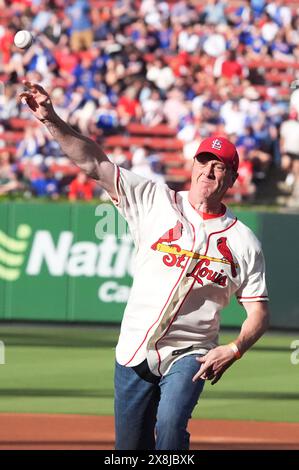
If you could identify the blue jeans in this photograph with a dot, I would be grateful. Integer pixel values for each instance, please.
(152, 416)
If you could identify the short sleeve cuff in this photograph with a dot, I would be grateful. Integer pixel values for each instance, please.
(256, 298)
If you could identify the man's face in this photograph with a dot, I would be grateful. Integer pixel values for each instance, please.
(211, 178)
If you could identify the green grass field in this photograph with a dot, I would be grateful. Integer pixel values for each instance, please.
(70, 370)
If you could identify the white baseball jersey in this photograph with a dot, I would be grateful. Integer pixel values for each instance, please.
(186, 270)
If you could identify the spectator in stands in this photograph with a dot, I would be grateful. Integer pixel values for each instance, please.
(214, 12)
(183, 12)
(247, 140)
(231, 66)
(81, 34)
(61, 102)
(128, 107)
(83, 116)
(30, 146)
(119, 157)
(8, 179)
(279, 12)
(81, 188)
(244, 187)
(280, 48)
(84, 76)
(149, 51)
(250, 104)
(262, 155)
(54, 31)
(269, 29)
(242, 14)
(8, 102)
(124, 11)
(45, 185)
(66, 60)
(101, 22)
(152, 109)
(6, 44)
(294, 98)
(175, 107)
(106, 117)
(150, 12)
(213, 42)
(165, 36)
(141, 165)
(188, 40)
(258, 7)
(289, 142)
(234, 119)
(51, 152)
(42, 16)
(39, 58)
(160, 74)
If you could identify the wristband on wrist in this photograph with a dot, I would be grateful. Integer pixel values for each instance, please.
(235, 349)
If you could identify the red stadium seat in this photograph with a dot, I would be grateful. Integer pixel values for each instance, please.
(160, 130)
(65, 169)
(12, 150)
(273, 64)
(11, 137)
(19, 123)
(279, 78)
(154, 143)
(172, 159)
(178, 175)
(102, 3)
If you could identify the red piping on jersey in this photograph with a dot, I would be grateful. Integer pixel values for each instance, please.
(183, 271)
(175, 316)
(116, 179)
(256, 297)
(117, 183)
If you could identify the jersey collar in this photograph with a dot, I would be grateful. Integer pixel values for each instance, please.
(213, 224)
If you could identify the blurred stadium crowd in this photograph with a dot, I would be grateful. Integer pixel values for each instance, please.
(149, 79)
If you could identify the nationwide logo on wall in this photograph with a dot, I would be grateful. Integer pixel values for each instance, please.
(12, 253)
(109, 258)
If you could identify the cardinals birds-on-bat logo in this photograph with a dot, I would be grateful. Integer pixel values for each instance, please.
(227, 254)
(170, 236)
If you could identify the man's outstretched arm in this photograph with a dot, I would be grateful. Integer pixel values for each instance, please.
(81, 150)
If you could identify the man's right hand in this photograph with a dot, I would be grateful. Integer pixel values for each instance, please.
(38, 101)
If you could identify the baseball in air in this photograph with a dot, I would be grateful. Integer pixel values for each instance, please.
(23, 39)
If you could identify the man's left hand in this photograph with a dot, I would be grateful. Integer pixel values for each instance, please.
(214, 364)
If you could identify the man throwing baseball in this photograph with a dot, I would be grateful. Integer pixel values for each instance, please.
(192, 256)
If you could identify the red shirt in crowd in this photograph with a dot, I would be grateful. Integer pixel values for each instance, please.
(81, 190)
(231, 69)
(66, 60)
(245, 171)
(130, 106)
(6, 43)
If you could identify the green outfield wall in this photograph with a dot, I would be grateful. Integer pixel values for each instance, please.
(64, 262)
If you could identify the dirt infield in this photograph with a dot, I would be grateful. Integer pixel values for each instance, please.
(75, 432)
